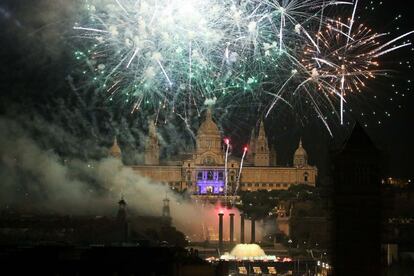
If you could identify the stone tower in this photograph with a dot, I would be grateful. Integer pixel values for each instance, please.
(166, 208)
(262, 153)
(273, 156)
(115, 150)
(251, 149)
(300, 159)
(356, 171)
(121, 216)
(152, 148)
(122, 221)
(208, 136)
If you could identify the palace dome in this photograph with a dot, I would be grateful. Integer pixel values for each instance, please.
(115, 150)
(300, 151)
(208, 127)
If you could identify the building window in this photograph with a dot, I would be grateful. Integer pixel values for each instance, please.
(210, 189)
(278, 185)
(256, 184)
(200, 176)
(210, 175)
(208, 160)
(305, 177)
(271, 185)
(263, 184)
(232, 177)
(220, 176)
(249, 184)
(285, 185)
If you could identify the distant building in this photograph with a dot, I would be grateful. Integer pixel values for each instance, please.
(283, 220)
(115, 150)
(396, 182)
(203, 171)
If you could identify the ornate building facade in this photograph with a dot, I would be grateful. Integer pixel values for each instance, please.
(203, 172)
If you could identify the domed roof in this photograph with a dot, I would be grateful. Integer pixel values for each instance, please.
(300, 150)
(208, 127)
(115, 150)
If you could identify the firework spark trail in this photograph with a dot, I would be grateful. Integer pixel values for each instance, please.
(89, 29)
(392, 49)
(227, 143)
(133, 56)
(351, 23)
(348, 37)
(277, 95)
(390, 42)
(342, 98)
(165, 73)
(240, 170)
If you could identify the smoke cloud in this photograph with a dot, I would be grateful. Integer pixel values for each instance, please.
(38, 179)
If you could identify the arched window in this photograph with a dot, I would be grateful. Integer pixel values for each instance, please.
(208, 160)
(305, 177)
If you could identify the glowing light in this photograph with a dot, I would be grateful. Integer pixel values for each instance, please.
(240, 169)
(226, 141)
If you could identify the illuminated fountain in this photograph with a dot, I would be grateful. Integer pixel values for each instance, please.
(246, 251)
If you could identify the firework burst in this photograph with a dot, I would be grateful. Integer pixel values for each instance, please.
(167, 53)
(345, 59)
(163, 56)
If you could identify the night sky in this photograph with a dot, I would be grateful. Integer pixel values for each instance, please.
(37, 74)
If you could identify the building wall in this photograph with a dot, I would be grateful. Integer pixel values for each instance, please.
(276, 178)
(252, 179)
(171, 175)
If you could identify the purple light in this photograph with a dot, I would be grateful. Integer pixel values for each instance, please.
(210, 182)
(210, 187)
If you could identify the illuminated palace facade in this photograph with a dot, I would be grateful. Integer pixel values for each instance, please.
(202, 173)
